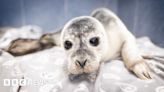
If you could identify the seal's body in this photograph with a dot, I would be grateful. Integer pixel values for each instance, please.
(88, 41)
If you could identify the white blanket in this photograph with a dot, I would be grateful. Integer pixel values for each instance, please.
(44, 71)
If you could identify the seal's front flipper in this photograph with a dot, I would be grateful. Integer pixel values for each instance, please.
(142, 70)
(134, 61)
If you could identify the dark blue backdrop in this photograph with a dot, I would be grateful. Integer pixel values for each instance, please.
(142, 17)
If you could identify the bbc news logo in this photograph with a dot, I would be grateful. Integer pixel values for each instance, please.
(22, 82)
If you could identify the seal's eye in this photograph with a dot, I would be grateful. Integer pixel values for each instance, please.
(94, 41)
(67, 45)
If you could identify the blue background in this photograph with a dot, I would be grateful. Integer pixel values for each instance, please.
(142, 17)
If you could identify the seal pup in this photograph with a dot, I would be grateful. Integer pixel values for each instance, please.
(89, 41)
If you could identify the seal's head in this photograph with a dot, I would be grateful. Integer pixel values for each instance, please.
(85, 42)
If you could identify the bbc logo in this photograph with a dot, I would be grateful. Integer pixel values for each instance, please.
(15, 82)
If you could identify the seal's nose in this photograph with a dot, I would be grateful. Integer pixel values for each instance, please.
(81, 63)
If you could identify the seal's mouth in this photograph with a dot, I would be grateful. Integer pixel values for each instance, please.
(91, 77)
(81, 77)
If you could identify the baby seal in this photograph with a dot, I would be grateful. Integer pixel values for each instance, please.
(90, 40)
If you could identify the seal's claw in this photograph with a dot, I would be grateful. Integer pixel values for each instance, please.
(142, 71)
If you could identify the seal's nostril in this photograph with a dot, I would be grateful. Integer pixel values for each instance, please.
(81, 63)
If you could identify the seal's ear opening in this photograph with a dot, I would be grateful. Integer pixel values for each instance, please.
(32, 30)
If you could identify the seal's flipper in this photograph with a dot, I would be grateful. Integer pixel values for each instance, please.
(22, 46)
(51, 38)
